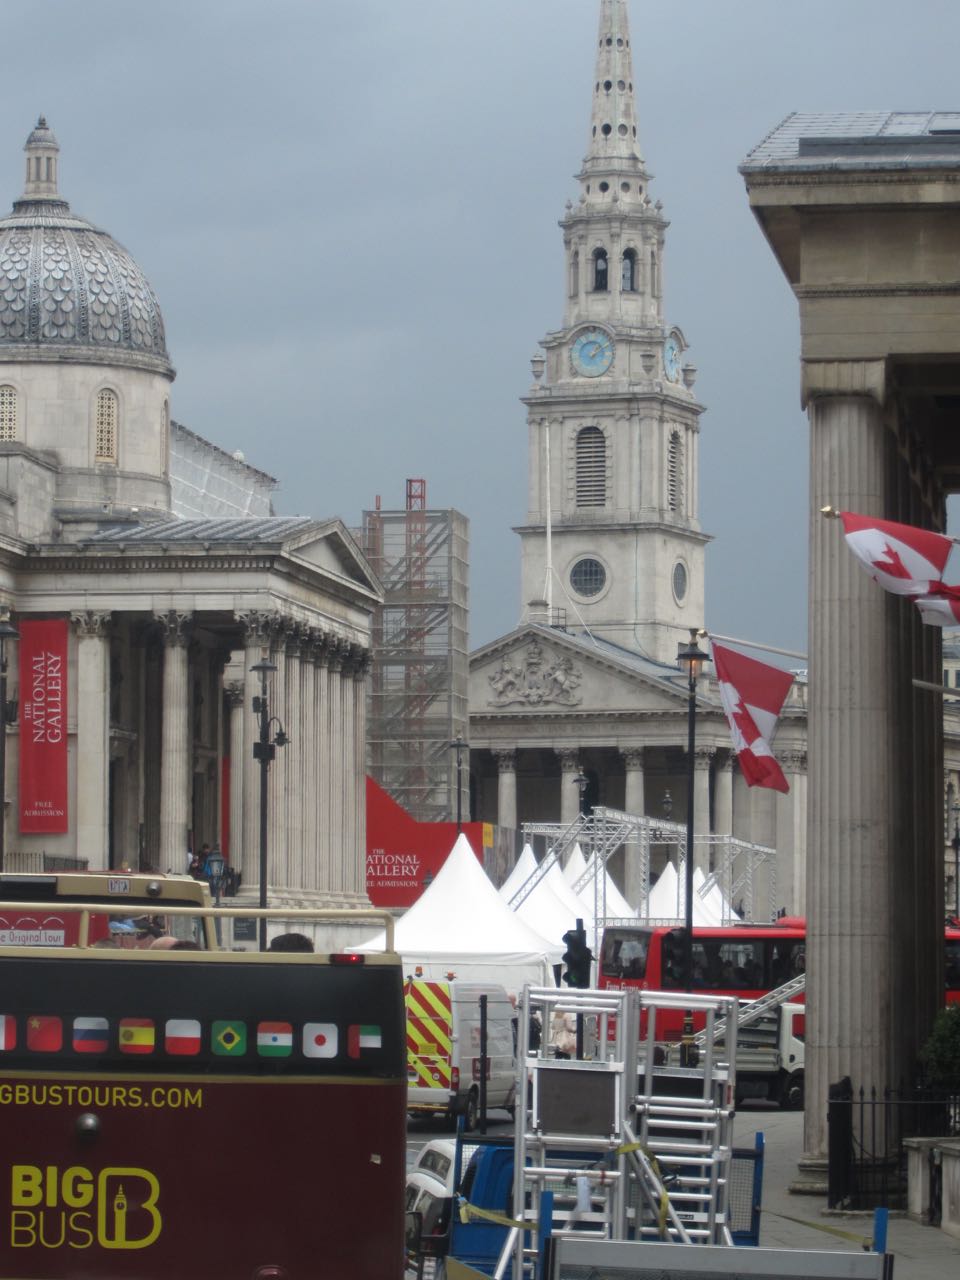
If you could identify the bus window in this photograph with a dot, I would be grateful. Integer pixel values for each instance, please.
(624, 953)
(952, 965)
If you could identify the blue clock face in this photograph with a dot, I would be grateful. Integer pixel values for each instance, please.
(592, 353)
(671, 359)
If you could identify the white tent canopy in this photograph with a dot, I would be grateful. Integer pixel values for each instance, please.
(603, 891)
(665, 900)
(461, 925)
(576, 865)
(521, 873)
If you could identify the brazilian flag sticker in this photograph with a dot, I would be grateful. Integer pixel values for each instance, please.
(228, 1039)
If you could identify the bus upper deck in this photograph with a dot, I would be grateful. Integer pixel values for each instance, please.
(199, 1113)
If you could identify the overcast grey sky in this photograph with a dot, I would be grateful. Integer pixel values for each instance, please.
(349, 214)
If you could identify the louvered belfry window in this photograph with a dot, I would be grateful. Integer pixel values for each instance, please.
(8, 413)
(106, 426)
(675, 472)
(591, 467)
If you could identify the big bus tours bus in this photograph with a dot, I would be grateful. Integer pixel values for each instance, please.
(744, 960)
(199, 1113)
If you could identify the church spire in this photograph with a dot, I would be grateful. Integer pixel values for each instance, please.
(614, 148)
(42, 158)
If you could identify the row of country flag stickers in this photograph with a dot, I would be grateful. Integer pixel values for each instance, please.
(183, 1037)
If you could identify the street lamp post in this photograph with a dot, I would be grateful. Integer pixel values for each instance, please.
(956, 860)
(264, 751)
(582, 783)
(215, 867)
(692, 657)
(458, 745)
(7, 632)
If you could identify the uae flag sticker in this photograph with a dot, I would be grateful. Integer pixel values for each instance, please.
(274, 1039)
(360, 1038)
(319, 1040)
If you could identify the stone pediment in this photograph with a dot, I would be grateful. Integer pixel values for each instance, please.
(329, 548)
(541, 671)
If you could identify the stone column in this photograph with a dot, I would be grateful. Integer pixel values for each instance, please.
(506, 788)
(323, 760)
(93, 740)
(357, 880)
(257, 630)
(277, 870)
(850, 734)
(703, 757)
(292, 794)
(237, 746)
(723, 795)
(308, 771)
(348, 851)
(176, 761)
(634, 802)
(791, 817)
(569, 792)
(335, 760)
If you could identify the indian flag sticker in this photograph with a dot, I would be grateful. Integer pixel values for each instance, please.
(8, 1032)
(228, 1039)
(360, 1038)
(136, 1035)
(181, 1037)
(274, 1039)
(319, 1040)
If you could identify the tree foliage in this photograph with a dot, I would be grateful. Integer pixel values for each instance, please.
(941, 1053)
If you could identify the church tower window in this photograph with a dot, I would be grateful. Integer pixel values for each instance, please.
(8, 413)
(106, 426)
(600, 271)
(575, 274)
(591, 468)
(675, 472)
(628, 272)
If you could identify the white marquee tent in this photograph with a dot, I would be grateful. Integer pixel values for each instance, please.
(461, 925)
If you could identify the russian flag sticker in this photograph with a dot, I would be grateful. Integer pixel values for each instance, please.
(91, 1035)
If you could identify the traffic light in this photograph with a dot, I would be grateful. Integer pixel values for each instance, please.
(577, 958)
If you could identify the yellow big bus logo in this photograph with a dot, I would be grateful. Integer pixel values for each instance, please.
(74, 1207)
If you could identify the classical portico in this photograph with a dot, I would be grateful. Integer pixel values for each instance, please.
(862, 214)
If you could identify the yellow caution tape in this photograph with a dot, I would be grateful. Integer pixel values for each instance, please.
(626, 1149)
(864, 1242)
(471, 1211)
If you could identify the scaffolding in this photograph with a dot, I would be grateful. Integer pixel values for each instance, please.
(417, 707)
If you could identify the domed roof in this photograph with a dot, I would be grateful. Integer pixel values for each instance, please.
(67, 286)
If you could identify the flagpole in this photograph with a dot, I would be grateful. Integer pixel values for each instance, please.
(752, 644)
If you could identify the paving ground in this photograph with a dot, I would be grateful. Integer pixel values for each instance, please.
(920, 1252)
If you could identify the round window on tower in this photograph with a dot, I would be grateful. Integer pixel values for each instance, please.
(680, 581)
(588, 577)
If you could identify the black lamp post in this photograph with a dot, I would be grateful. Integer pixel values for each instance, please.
(582, 783)
(692, 657)
(264, 750)
(7, 632)
(458, 745)
(215, 868)
(956, 860)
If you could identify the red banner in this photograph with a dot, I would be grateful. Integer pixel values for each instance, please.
(43, 725)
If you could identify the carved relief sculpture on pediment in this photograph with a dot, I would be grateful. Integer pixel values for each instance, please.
(536, 678)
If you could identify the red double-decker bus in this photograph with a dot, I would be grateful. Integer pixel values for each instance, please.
(200, 1113)
(745, 960)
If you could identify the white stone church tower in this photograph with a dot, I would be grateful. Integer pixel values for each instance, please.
(613, 425)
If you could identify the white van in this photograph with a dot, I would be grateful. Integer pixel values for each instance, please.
(443, 1047)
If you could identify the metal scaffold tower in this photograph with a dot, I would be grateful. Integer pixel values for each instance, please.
(418, 688)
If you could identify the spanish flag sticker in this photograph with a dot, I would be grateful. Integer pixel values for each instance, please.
(136, 1035)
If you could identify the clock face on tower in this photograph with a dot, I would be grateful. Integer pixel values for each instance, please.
(671, 359)
(592, 353)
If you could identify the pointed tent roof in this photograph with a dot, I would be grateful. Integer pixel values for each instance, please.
(521, 873)
(665, 900)
(544, 912)
(576, 865)
(614, 904)
(461, 914)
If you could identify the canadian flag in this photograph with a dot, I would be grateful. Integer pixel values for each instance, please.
(903, 559)
(941, 609)
(753, 695)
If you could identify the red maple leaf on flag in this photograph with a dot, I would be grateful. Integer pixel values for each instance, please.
(890, 563)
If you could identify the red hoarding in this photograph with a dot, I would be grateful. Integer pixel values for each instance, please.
(402, 852)
(43, 725)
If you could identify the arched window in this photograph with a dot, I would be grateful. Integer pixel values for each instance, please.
(575, 274)
(600, 271)
(591, 467)
(106, 426)
(675, 472)
(654, 274)
(628, 272)
(8, 413)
